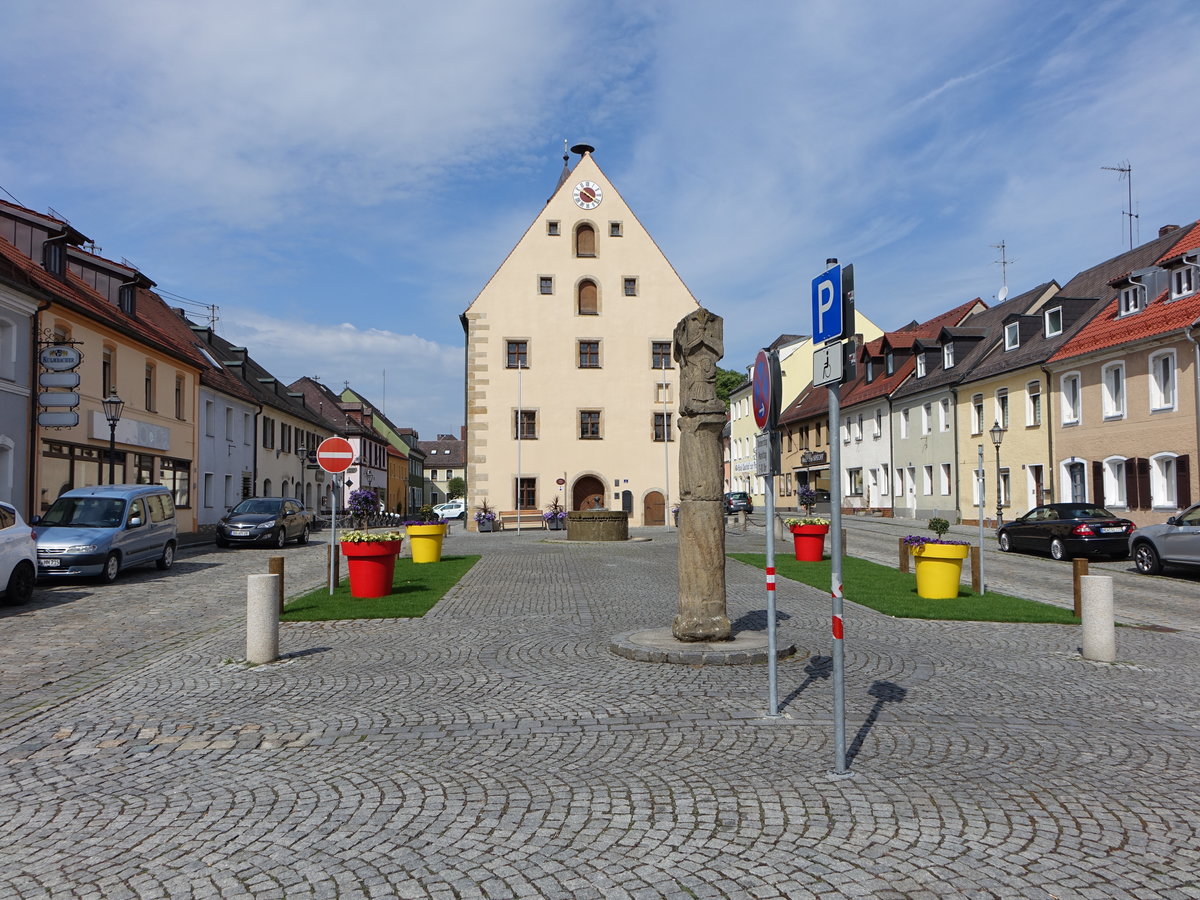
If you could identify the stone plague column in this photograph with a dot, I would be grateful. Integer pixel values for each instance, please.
(701, 616)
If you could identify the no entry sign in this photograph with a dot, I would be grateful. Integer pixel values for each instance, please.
(335, 455)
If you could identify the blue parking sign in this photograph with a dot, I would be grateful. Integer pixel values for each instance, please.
(827, 306)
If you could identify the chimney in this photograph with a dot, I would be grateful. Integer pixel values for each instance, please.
(462, 432)
(1167, 229)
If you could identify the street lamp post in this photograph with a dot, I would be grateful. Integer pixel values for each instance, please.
(997, 434)
(113, 405)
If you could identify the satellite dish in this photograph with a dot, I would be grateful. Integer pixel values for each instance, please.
(1003, 295)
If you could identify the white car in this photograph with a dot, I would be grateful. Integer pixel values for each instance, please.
(18, 556)
(452, 509)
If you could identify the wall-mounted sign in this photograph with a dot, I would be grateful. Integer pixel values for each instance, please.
(69, 399)
(58, 419)
(67, 380)
(813, 458)
(60, 359)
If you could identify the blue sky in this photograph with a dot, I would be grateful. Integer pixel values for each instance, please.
(342, 179)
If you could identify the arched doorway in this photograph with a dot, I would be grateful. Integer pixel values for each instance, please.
(654, 509)
(588, 493)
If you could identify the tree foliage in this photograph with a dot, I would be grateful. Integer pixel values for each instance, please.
(728, 381)
(456, 487)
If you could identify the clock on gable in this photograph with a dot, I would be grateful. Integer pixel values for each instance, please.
(587, 195)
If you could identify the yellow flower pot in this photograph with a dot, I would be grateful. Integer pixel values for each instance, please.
(939, 569)
(426, 542)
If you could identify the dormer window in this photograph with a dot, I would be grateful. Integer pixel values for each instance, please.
(921, 365)
(870, 370)
(1131, 299)
(1183, 281)
(948, 356)
(1054, 321)
(126, 298)
(54, 257)
(1012, 336)
(889, 362)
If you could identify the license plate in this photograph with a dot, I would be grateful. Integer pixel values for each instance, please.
(49, 563)
(1120, 529)
(239, 532)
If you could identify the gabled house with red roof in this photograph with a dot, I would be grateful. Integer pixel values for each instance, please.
(1013, 386)
(107, 311)
(926, 410)
(891, 448)
(1125, 429)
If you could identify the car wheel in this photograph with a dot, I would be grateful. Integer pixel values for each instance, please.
(112, 566)
(1057, 550)
(20, 583)
(281, 537)
(167, 559)
(1146, 558)
(303, 539)
(1004, 542)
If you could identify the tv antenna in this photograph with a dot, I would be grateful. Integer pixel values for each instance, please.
(1003, 262)
(1125, 173)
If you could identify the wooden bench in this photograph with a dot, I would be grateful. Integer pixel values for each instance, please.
(530, 518)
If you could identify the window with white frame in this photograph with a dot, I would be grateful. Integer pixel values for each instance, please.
(948, 356)
(1054, 321)
(1033, 403)
(944, 481)
(1162, 380)
(1130, 300)
(976, 487)
(858, 431)
(1002, 407)
(1114, 481)
(927, 418)
(944, 414)
(854, 482)
(1183, 281)
(845, 432)
(1069, 386)
(903, 424)
(1005, 494)
(977, 414)
(1012, 336)
(878, 423)
(1112, 379)
(927, 480)
(1162, 481)
(889, 362)
(870, 370)
(898, 482)
(920, 365)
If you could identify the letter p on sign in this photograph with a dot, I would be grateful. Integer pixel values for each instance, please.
(827, 305)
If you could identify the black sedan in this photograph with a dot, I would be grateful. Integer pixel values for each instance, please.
(270, 521)
(1066, 530)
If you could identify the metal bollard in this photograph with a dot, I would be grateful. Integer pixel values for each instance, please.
(262, 618)
(275, 567)
(1099, 631)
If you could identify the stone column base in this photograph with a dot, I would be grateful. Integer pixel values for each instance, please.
(701, 628)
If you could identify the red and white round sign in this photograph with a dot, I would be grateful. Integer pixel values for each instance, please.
(335, 455)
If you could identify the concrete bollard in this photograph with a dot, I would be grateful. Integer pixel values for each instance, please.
(262, 618)
(1099, 632)
(741, 520)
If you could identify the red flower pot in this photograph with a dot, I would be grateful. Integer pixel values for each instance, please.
(372, 566)
(810, 542)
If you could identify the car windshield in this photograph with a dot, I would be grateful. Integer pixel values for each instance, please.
(257, 506)
(85, 512)
(1089, 512)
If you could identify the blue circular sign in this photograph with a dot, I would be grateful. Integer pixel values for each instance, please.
(761, 396)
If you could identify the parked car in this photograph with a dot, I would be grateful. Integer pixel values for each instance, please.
(1066, 530)
(106, 529)
(1175, 543)
(451, 509)
(18, 556)
(737, 501)
(269, 521)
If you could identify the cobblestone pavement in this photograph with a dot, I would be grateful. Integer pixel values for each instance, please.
(496, 749)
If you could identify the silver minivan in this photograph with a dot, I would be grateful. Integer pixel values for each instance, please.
(105, 529)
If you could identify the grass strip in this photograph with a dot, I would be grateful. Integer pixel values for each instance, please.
(895, 593)
(415, 590)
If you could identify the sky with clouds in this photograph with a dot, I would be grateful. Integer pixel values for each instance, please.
(342, 179)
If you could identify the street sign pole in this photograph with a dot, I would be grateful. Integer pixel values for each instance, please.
(839, 661)
(979, 481)
(772, 674)
(767, 386)
(335, 489)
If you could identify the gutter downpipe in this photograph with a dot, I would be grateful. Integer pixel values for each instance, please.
(1049, 417)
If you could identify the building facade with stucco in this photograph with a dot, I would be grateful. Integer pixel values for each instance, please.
(569, 369)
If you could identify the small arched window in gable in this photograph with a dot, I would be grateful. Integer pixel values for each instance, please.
(589, 299)
(585, 240)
